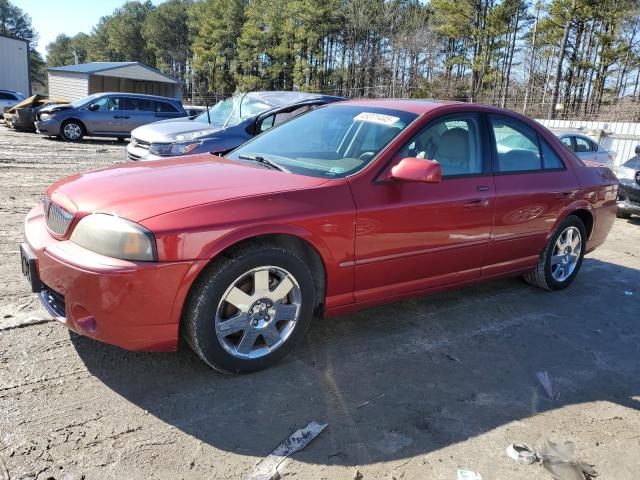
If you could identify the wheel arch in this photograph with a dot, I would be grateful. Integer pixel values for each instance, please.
(583, 210)
(309, 252)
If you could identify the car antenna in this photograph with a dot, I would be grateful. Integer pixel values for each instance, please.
(206, 102)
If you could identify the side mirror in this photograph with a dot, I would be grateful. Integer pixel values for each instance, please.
(93, 107)
(412, 169)
(637, 149)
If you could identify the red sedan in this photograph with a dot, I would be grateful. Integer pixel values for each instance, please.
(348, 206)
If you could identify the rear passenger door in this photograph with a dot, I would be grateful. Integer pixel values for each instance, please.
(533, 187)
(137, 112)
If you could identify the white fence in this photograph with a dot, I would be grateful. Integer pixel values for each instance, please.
(621, 138)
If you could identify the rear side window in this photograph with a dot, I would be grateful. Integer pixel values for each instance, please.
(165, 107)
(7, 96)
(516, 145)
(550, 158)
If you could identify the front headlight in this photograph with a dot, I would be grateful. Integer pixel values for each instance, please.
(169, 149)
(193, 135)
(46, 116)
(626, 173)
(115, 237)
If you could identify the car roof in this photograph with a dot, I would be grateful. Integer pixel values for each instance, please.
(407, 105)
(572, 134)
(138, 95)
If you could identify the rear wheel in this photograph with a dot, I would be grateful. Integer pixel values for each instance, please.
(624, 215)
(72, 130)
(562, 257)
(248, 311)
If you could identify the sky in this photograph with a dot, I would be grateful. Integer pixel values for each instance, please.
(53, 17)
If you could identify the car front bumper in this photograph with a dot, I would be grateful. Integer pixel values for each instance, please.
(629, 197)
(48, 127)
(140, 154)
(134, 305)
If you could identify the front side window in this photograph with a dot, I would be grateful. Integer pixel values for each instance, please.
(330, 142)
(452, 142)
(516, 145)
(106, 104)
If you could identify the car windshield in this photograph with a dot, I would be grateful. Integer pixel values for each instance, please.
(233, 110)
(330, 142)
(84, 100)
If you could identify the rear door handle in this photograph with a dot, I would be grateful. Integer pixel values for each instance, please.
(482, 188)
(564, 195)
(478, 203)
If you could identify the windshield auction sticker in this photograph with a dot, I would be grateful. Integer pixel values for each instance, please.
(380, 118)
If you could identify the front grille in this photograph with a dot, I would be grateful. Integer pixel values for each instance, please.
(58, 219)
(53, 301)
(140, 143)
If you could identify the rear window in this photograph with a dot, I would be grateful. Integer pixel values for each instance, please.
(165, 107)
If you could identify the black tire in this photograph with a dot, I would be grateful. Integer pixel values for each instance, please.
(199, 315)
(542, 275)
(68, 129)
(623, 215)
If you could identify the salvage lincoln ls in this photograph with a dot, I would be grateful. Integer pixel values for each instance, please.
(347, 206)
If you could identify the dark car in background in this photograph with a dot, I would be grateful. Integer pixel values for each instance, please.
(21, 116)
(106, 115)
(227, 125)
(629, 186)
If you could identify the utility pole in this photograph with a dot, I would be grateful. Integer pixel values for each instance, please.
(527, 89)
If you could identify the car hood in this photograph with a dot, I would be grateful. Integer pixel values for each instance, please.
(55, 107)
(140, 190)
(166, 130)
(633, 163)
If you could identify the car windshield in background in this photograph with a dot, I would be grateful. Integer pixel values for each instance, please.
(233, 110)
(81, 101)
(330, 142)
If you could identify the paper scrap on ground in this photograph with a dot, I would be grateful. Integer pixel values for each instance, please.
(468, 475)
(267, 469)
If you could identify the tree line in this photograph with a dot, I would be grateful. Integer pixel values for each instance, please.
(553, 58)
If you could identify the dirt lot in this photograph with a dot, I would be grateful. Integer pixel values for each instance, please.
(73, 408)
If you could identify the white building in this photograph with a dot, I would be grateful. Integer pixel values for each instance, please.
(76, 81)
(14, 64)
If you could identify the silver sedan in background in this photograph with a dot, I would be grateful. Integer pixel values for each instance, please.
(585, 148)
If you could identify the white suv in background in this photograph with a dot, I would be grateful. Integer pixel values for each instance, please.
(8, 98)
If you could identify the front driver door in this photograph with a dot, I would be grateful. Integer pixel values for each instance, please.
(103, 116)
(412, 236)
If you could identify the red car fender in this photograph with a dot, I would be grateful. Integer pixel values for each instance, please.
(580, 204)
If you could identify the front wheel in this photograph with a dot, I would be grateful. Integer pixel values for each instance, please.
(562, 257)
(248, 311)
(72, 131)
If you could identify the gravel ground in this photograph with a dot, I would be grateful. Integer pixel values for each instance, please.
(457, 372)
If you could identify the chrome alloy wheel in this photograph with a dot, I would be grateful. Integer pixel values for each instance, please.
(566, 254)
(258, 312)
(72, 131)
